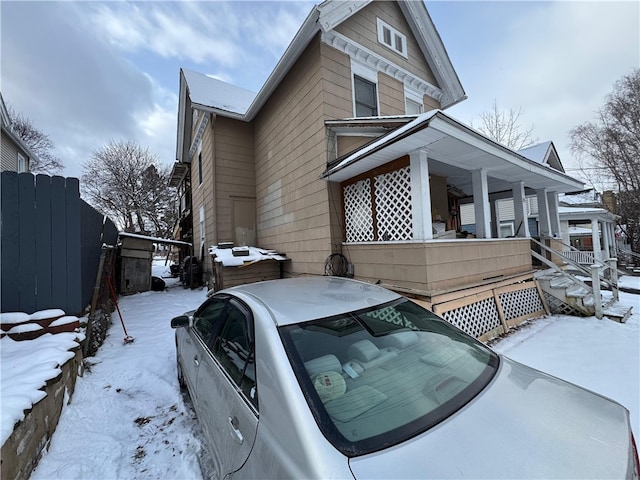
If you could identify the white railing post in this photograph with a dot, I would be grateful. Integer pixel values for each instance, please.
(597, 296)
(613, 272)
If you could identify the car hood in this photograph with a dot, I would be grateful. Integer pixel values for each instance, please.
(525, 424)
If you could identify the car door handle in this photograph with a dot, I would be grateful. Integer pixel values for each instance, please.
(196, 362)
(235, 433)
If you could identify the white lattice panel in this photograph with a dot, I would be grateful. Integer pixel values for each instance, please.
(475, 319)
(520, 303)
(391, 315)
(393, 205)
(358, 214)
(558, 307)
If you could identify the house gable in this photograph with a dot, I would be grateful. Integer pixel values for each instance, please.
(544, 153)
(327, 18)
(362, 28)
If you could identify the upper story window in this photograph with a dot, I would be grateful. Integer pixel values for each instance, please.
(392, 38)
(412, 108)
(366, 98)
(365, 90)
(23, 165)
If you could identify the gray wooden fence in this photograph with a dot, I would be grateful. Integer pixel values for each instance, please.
(50, 242)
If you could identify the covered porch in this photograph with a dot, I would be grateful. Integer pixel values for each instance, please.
(588, 234)
(401, 193)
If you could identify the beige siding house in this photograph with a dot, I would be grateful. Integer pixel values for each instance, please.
(15, 155)
(347, 150)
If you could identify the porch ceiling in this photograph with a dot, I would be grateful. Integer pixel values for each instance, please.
(454, 152)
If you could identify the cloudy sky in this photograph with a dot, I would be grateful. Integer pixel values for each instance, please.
(90, 72)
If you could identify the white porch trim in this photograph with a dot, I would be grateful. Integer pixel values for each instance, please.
(481, 203)
(521, 218)
(420, 195)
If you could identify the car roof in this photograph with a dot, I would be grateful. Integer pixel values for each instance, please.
(300, 299)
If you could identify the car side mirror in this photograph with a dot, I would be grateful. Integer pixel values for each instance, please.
(181, 321)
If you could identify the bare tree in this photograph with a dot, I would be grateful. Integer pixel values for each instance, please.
(38, 142)
(504, 127)
(609, 149)
(127, 183)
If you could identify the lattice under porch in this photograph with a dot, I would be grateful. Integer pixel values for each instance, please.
(486, 315)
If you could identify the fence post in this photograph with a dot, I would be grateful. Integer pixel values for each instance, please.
(597, 296)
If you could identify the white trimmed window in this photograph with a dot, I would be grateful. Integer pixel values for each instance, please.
(365, 97)
(23, 165)
(365, 90)
(412, 108)
(412, 101)
(392, 38)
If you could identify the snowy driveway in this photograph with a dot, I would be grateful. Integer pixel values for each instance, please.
(128, 419)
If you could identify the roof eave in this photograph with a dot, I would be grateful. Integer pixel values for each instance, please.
(434, 52)
(300, 41)
(182, 100)
(449, 126)
(506, 152)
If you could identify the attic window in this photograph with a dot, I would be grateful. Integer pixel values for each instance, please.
(392, 38)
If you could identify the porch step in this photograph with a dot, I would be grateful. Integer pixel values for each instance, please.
(576, 291)
(617, 312)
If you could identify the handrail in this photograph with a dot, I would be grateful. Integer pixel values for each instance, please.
(595, 273)
(602, 267)
(630, 253)
(549, 263)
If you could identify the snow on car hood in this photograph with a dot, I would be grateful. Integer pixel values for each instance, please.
(525, 424)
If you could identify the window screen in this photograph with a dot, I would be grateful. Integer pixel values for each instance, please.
(365, 97)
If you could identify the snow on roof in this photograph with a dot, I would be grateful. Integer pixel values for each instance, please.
(214, 93)
(226, 257)
(590, 197)
(584, 210)
(537, 153)
(579, 231)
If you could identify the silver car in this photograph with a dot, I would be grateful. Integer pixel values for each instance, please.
(323, 377)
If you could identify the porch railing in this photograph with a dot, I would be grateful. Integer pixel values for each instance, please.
(583, 257)
(602, 274)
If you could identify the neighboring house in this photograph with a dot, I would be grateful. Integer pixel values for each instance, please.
(586, 225)
(15, 155)
(346, 149)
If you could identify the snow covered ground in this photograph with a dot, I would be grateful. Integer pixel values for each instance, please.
(128, 419)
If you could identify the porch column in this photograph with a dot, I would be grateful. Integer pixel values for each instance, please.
(481, 203)
(544, 222)
(595, 239)
(494, 207)
(420, 195)
(554, 216)
(606, 240)
(612, 239)
(521, 219)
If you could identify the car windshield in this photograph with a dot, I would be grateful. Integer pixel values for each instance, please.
(376, 377)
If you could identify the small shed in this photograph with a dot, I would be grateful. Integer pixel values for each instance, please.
(136, 257)
(239, 265)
